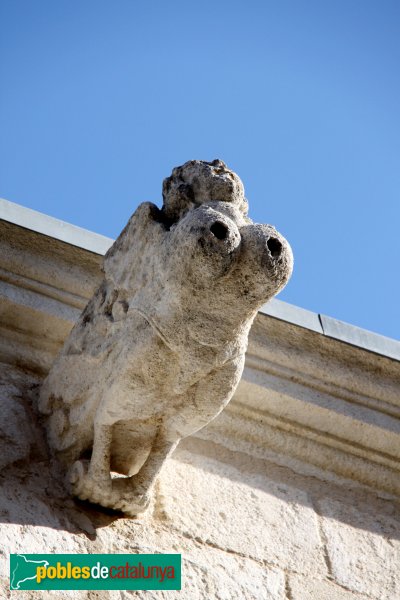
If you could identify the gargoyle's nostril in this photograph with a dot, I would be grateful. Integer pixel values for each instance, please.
(219, 230)
(274, 246)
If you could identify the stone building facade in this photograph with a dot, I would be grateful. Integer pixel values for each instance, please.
(292, 493)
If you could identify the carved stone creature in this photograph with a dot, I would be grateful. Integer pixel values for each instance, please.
(159, 349)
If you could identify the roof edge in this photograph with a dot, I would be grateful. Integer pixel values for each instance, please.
(55, 228)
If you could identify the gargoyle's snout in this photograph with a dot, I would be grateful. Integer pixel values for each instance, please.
(219, 230)
(274, 253)
(266, 261)
(218, 233)
(274, 247)
(208, 241)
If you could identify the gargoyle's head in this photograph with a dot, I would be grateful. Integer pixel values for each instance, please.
(219, 249)
(200, 251)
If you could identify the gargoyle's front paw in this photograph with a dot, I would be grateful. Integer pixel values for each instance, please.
(82, 485)
(133, 503)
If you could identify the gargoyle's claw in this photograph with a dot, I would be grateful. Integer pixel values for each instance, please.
(84, 487)
(129, 496)
(133, 504)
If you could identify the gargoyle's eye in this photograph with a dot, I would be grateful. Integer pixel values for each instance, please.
(219, 230)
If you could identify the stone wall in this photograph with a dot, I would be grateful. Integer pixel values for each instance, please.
(292, 493)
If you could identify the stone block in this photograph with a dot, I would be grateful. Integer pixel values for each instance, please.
(237, 512)
(303, 588)
(207, 572)
(28, 525)
(363, 548)
(17, 435)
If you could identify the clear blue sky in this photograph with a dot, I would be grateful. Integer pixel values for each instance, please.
(99, 100)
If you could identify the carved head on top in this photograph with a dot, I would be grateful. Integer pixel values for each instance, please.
(198, 182)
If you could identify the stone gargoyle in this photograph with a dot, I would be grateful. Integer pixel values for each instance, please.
(159, 350)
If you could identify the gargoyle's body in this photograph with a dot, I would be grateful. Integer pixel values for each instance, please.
(159, 350)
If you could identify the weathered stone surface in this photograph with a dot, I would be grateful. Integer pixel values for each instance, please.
(199, 182)
(34, 520)
(228, 514)
(210, 573)
(159, 350)
(363, 548)
(17, 435)
(37, 517)
(5, 593)
(49, 530)
(226, 579)
(206, 574)
(303, 588)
